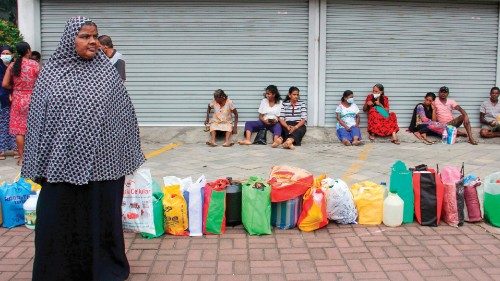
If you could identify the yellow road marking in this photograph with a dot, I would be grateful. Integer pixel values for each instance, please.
(157, 152)
(356, 166)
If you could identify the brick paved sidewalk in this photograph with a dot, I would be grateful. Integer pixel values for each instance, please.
(410, 252)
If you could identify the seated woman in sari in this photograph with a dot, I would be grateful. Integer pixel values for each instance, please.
(381, 122)
(423, 120)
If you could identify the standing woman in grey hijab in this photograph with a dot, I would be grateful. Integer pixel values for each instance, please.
(82, 140)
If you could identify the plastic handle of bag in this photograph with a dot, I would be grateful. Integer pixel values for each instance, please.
(462, 171)
(437, 168)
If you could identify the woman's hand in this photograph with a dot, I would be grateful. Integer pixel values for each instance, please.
(206, 121)
(369, 103)
(377, 102)
(347, 128)
(235, 130)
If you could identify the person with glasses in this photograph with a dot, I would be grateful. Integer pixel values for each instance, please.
(381, 122)
(444, 114)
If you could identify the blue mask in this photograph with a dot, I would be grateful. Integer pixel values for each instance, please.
(350, 100)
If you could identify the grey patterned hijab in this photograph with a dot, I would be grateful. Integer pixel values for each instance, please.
(82, 125)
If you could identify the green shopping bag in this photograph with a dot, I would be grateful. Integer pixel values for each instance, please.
(157, 213)
(401, 182)
(256, 206)
(157, 217)
(214, 207)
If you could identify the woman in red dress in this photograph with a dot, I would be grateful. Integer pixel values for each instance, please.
(20, 77)
(381, 122)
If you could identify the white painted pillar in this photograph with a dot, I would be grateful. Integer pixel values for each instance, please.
(322, 64)
(497, 81)
(313, 64)
(28, 15)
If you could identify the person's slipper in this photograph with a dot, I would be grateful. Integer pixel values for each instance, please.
(371, 137)
(211, 144)
(396, 142)
(2, 157)
(228, 144)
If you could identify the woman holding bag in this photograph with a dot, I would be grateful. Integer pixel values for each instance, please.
(82, 140)
(381, 122)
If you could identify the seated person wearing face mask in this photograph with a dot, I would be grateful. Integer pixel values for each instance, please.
(347, 112)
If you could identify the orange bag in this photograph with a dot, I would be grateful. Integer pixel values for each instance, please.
(313, 214)
(288, 183)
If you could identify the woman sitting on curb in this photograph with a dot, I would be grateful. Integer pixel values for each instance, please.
(293, 118)
(381, 122)
(423, 120)
(222, 119)
(347, 112)
(269, 111)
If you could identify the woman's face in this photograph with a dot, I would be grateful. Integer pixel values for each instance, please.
(270, 96)
(220, 100)
(294, 96)
(376, 91)
(86, 42)
(428, 101)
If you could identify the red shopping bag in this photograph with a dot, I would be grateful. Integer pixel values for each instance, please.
(428, 193)
(214, 207)
(288, 183)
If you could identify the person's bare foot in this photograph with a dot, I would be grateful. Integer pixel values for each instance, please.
(277, 143)
(356, 142)
(371, 137)
(473, 141)
(244, 142)
(346, 142)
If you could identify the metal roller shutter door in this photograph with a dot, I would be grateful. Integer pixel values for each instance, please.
(179, 52)
(412, 47)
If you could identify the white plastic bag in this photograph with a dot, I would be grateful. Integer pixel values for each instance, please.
(339, 201)
(195, 206)
(137, 205)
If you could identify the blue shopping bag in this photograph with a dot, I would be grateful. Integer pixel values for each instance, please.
(12, 197)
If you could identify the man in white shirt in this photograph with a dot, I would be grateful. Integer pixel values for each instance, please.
(115, 57)
(489, 115)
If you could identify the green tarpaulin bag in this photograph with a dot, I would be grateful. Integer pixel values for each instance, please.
(158, 217)
(256, 206)
(492, 199)
(401, 183)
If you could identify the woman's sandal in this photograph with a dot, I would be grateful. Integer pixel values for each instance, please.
(211, 144)
(396, 142)
(228, 144)
(371, 137)
(2, 157)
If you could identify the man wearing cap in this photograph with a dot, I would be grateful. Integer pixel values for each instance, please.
(444, 113)
(489, 115)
